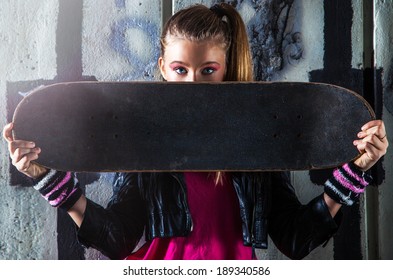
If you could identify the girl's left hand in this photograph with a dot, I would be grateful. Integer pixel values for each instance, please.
(372, 144)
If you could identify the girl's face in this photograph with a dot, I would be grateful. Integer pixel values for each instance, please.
(187, 61)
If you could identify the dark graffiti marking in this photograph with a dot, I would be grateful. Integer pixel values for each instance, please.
(338, 70)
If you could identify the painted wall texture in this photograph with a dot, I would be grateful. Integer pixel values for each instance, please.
(49, 41)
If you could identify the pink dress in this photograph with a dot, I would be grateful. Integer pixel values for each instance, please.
(217, 227)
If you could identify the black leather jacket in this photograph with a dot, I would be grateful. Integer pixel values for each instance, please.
(155, 204)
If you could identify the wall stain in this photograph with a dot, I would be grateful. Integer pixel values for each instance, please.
(140, 68)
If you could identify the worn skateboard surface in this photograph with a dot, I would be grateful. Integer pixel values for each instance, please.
(162, 126)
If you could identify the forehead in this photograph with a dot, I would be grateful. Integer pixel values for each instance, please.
(180, 47)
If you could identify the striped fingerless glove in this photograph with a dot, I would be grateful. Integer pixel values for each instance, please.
(347, 183)
(60, 189)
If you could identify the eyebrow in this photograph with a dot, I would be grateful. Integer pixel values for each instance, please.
(186, 64)
(211, 62)
(178, 62)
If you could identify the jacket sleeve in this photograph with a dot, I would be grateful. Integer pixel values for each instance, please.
(297, 229)
(116, 230)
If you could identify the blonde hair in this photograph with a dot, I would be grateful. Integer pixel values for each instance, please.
(221, 24)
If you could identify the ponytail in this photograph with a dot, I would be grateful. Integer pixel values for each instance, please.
(239, 60)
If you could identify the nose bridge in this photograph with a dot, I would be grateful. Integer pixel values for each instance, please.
(192, 76)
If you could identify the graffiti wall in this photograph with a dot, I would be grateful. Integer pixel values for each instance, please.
(45, 42)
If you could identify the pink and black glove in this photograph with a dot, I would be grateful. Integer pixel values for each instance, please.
(347, 184)
(60, 189)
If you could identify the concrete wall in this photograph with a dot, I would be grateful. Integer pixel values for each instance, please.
(27, 51)
(50, 41)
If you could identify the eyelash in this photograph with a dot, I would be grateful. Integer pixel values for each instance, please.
(205, 71)
(182, 69)
(210, 70)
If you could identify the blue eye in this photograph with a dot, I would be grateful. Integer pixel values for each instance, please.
(180, 70)
(208, 71)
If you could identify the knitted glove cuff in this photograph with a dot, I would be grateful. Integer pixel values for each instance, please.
(60, 189)
(347, 184)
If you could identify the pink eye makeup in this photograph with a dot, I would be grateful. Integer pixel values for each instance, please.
(178, 68)
(210, 69)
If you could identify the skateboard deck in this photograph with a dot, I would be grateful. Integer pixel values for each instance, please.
(171, 126)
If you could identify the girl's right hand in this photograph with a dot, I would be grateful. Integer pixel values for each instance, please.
(23, 153)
